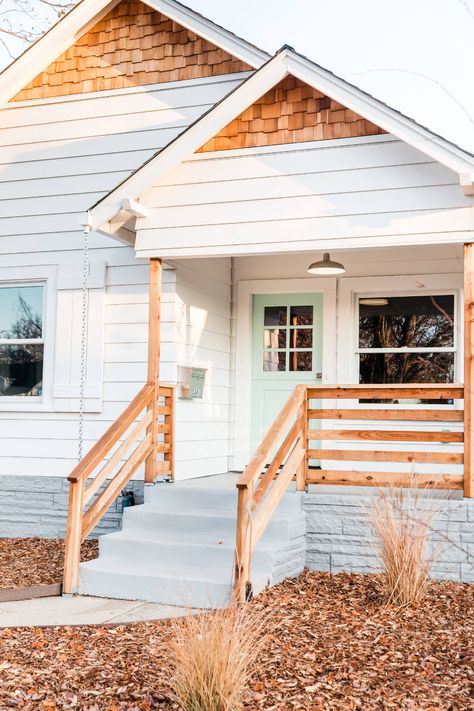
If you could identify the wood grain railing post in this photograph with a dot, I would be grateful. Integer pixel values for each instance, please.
(302, 473)
(154, 318)
(243, 547)
(73, 537)
(468, 370)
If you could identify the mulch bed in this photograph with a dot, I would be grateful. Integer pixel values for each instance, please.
(28, 562)
(331, 645)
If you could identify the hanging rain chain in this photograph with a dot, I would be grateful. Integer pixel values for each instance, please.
(83, 358)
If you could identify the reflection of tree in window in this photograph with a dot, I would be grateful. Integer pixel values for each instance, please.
(417, 335)
(21, 364)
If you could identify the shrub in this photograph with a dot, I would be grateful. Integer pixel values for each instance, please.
(213, 657)
(401, 521)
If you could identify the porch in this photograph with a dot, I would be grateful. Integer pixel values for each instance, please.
(326, 435)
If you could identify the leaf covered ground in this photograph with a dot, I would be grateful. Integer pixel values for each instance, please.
(331, 644)
(26, 562)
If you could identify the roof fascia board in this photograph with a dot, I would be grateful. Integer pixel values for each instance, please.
(51, 45)
(379, 113)
(87, 13)
(211, 32)
(191, 139)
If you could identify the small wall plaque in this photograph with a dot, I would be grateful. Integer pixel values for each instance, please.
(191, 382)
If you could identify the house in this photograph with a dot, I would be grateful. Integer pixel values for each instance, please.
(200, 242)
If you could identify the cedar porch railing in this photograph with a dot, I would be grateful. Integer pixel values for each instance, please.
(146, 428)
(288, 449)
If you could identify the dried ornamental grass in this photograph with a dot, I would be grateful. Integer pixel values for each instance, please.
(213, 656)
(401, 520)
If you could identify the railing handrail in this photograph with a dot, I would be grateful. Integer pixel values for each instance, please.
(119, 468)
(270, 441)
(256, 505)
(290, 437)
(112, 435)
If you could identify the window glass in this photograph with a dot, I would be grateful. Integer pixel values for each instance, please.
(301, 360)
(406, 339)
(21, 340)
(301, 315)
(406, 322)
(274, 338)
(275, 315)
(406, 368)
(288, 338)
(274, 360)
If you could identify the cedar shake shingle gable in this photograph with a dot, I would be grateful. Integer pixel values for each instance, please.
(132, 45)
(291, 112)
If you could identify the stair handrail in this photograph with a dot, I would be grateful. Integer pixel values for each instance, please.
(118, 469)
(262, 487)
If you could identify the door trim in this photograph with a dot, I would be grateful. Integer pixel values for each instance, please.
(243, 349)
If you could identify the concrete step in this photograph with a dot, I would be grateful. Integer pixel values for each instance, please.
(176, 557)
(203, 526)
(178, 547)
(205, 590)
(178, 497)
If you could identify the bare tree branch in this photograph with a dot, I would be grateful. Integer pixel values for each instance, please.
(24, 21)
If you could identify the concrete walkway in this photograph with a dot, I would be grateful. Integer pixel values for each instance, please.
(80, 610)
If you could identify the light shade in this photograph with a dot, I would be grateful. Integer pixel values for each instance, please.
(326, 266)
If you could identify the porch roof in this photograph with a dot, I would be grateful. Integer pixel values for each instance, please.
(103, 215)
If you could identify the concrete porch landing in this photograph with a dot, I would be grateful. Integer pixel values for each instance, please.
(178, 547)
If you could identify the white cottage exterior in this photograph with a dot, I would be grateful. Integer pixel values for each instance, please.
(229, 175)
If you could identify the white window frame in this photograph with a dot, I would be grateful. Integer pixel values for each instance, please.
(351, 290)
(31, 276)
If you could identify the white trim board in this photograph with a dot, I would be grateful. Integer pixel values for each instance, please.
(243, 348)
(285, 62)
(87, 13)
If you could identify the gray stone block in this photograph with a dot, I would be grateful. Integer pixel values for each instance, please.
(355, 562)
(37, 506)
(467, 572)
(318, 561)
(323, 524)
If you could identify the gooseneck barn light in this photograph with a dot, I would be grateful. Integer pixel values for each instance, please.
(326, 267)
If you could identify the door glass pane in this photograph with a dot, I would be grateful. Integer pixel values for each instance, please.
(383, 368)
(21, 370)
(274, 338)
(274, 360)
(302, 338)
(406, 321)
(301, 361)
(301, 315)
(21, 312)
(275, 315)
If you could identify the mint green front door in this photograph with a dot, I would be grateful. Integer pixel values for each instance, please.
(286, 350)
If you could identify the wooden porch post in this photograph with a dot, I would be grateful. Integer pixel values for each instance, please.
(154, 318)
(468, 370)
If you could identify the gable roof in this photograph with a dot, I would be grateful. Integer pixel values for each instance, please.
(87, 13)
(285, 62)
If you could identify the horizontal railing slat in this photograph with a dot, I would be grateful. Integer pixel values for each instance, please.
(362, 455)
(386, 435)
(395, 414)
(372, 478)
(385, 392)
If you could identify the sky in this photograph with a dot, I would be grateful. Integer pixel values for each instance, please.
(416, 55)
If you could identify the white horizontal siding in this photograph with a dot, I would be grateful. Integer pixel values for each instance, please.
(203, 293)
(350, 192)
(57, 158)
